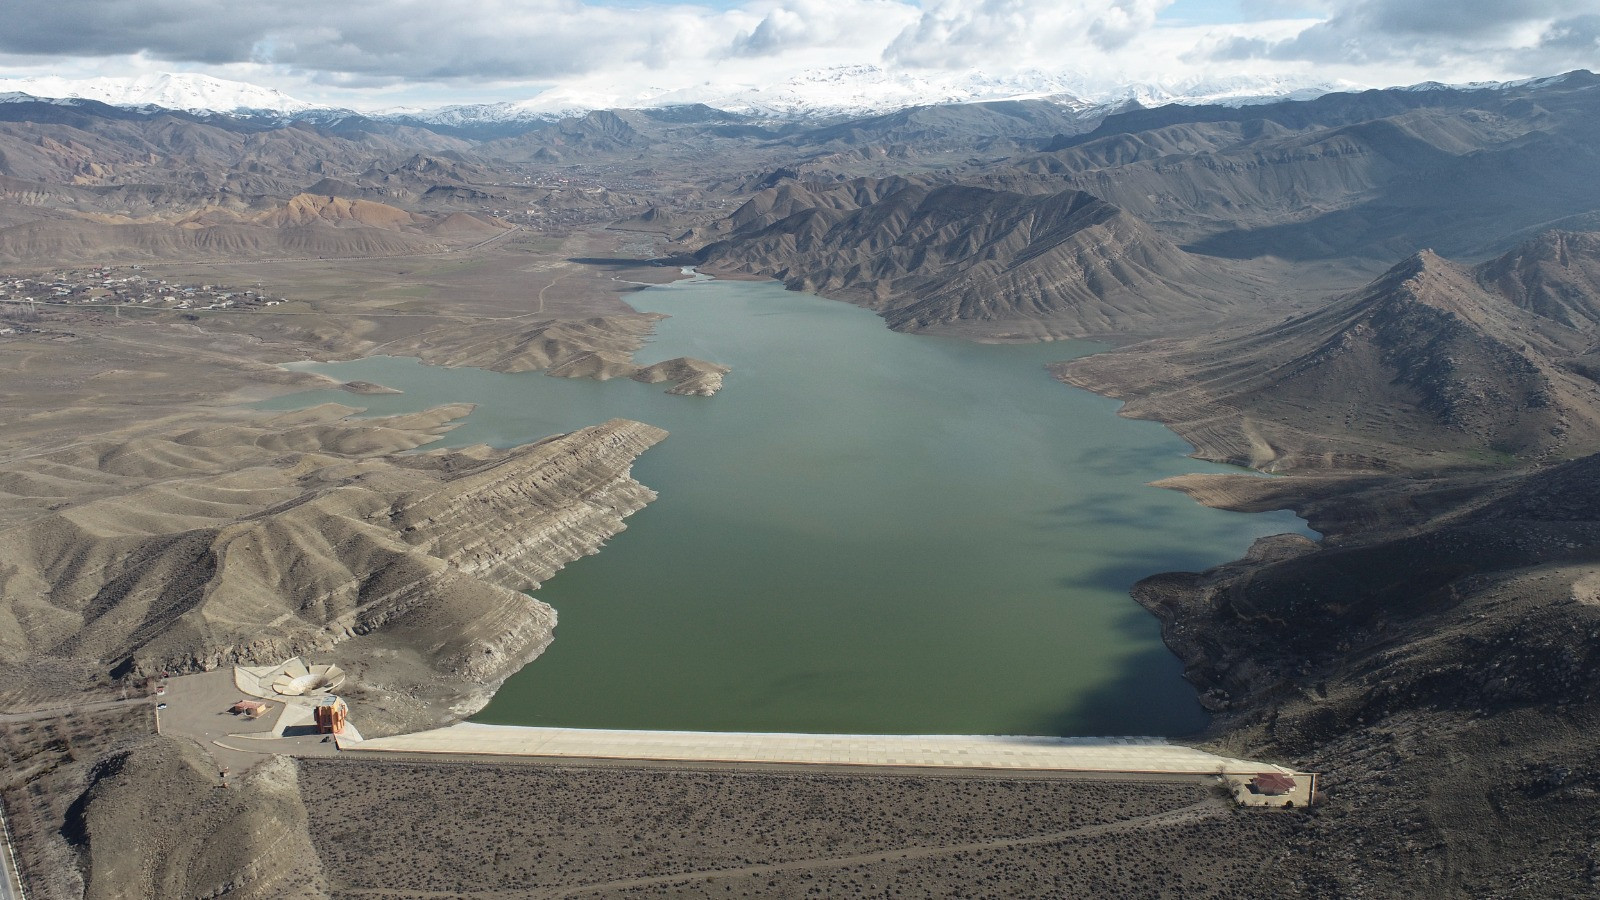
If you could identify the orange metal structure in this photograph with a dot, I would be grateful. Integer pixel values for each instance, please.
(331, 713)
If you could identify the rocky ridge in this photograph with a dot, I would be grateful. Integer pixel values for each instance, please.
(138, 842)
(943, 257)
(183, 551)
(304, 225)
(1429, 362)
(600, 347)
(1450, 618)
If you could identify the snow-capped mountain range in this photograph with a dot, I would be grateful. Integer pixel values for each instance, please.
(841, 91)
(186, 92)
(864, 90)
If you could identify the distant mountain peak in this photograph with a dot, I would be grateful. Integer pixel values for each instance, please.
(821, 93)
(833, 92)
(861, 89)
(189, 92)
(970, 258)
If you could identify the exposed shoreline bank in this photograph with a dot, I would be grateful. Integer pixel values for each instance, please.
(462, 711)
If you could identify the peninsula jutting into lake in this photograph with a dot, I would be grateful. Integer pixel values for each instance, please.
(906, 448)
(863, 532)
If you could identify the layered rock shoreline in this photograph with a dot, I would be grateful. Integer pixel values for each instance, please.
(305, 534)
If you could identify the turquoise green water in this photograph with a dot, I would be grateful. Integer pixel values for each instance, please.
(865, 532)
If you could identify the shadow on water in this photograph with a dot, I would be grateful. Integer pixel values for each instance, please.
(1134, 460)
(1123, 705)
(1132, 701)
(1105, 509)
(1129, 702)
(1130, 566)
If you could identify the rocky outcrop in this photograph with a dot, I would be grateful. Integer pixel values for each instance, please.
(1555, 276)
(153, 824)
(1432, 364)
(516, 521)
(689, 376)
(1448, 618)
(367, 388)
(970, 258)
(507, 347)
(409, 570)
(601, 348)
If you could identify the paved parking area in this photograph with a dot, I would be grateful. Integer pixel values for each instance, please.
(197, 707)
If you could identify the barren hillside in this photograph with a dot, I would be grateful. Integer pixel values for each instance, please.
(274, 536)
(1427, 366)
(969, 258)
(1433, 655)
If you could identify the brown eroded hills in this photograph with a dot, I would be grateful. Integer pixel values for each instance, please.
(275, 535)
(1407, 558)
(975, 260)
(57, 242)
(1433, 656)
(1432, 364)
(1555, 276)
(689, 376)
(141, 841)
(311, 210)
(89, 143)
(1242, 189)
(307, 209)
(1373, 175)
(503, 347)
(1219, 211)
(600, 347)
(304, 226)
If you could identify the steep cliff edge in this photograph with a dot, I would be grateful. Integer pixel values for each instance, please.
(972, 260)
(303, 533)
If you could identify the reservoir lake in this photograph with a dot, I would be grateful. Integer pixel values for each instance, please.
(864, 532)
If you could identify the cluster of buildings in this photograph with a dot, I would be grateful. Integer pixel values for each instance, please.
(330, 713)
(129, 285)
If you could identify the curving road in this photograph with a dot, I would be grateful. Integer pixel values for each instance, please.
(98, 706)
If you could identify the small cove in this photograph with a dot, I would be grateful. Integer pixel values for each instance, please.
(865, 532)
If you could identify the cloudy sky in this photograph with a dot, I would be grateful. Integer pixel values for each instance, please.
(376, 53)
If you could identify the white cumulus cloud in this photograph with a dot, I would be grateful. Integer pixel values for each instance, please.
(379, 52)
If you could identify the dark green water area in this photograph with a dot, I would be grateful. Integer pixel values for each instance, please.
(864, 532)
